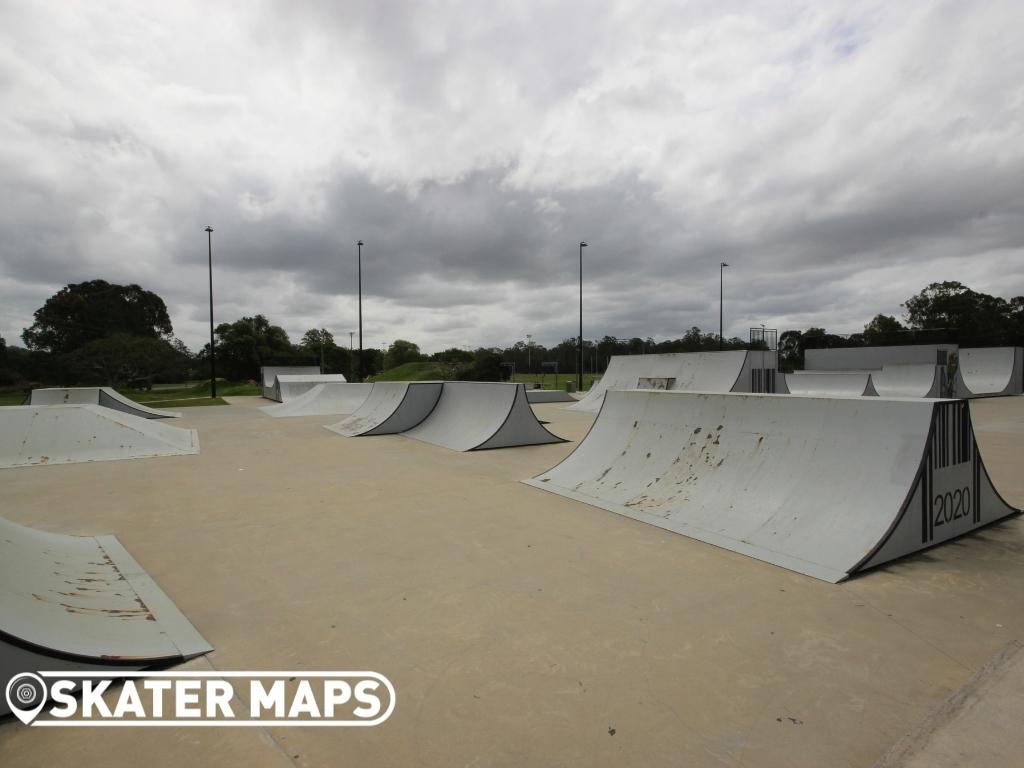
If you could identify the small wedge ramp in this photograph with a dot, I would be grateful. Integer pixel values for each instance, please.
(687, 371)
(478, 415)
(814, 384)
(105, 396)
(322, 400)
(75, 602)
(63, 434)
(390, 408)
(269, 374)
(910, 381)
(288, 387)
(549, 396)
(822, 486)
(989, 372)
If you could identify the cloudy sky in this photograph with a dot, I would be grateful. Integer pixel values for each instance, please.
(838, 155)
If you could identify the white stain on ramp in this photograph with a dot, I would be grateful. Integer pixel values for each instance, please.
(473, 416)
(822, 486)
(63, 434)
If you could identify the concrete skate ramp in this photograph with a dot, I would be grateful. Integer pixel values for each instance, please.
(390, 408)
(822, 486)
(76, 602)
(875, 358)
(64, 434)
(105, 396)
(989, 372)
(288, 387)
(688, 371)
(477, 415)
(549, 396)
(322, 400)
(909, 381)
(269, 374)
(810, 383)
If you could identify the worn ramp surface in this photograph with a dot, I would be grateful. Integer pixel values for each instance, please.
(62, 434)
(477, 415)
(989, 372)
(822, 486)
(390, 408)
(687, 371)
(269, 374)
(288, 386)
(105, 396)
(322, 400)
(909, 381)
(852, 384)
(75, 602)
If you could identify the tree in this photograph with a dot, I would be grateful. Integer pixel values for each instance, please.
(883, 329)
(953, 306)
(401, 352)
(245, 345)
(80, 313)
(122, 359)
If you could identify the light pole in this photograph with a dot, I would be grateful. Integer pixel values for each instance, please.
(213, 351)
(350, 334)
(360, 246)
(721, 293)
(579, 369)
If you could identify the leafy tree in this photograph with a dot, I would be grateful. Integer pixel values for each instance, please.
(80, 313)
(953, 306)
(245, 345)
(401, 352)
(122, 359)
(883, 329)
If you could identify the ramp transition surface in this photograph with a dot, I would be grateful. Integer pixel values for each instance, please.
(269, 374)
(390, 408)
(322, 400)
(63, 434)
(478, 415)
(74, 602)
(105, 396)
(823, 486)
(989, 372)
(853, 384)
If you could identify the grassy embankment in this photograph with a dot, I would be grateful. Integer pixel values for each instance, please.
(430, 372)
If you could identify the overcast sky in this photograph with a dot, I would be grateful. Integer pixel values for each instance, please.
(838, 155)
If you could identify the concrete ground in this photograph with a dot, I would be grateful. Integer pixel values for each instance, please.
(519, 628)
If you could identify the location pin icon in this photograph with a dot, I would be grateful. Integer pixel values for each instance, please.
(26, 695)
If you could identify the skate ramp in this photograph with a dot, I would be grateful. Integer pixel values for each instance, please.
(478, 415)
(390, 408)
(549, 396)
(105, 396)
(269, 374)
(909, 381)
(813, 384)
(322, 400)
(63, 434)
(821, 486)
(989, 372)
(288, 387)
(76, 602)
(687, 371)
(876, 358)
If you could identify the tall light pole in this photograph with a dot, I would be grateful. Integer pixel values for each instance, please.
(213, 351)
(350, 334)
(579, 369)
(360, 246)
(721, 293)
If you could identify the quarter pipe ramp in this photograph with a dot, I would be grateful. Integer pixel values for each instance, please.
(105, 396)
(83, 603)
(823, 486)
(288, 387)
(477, 415)
(688, 371)
(909, 381)
(989, 372)
(269, 373)
(390, 408)
(853, 384)
(63, 434)
(322, 400)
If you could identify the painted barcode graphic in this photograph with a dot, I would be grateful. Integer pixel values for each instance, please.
(952, 444)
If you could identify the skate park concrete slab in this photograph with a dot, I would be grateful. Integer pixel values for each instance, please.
(519, 628)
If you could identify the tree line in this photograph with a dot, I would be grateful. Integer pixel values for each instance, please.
(100, 333)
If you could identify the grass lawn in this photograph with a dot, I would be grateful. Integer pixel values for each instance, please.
(548, 379)
(410, 372)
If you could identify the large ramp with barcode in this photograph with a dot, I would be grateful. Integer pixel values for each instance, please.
(823, 486)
